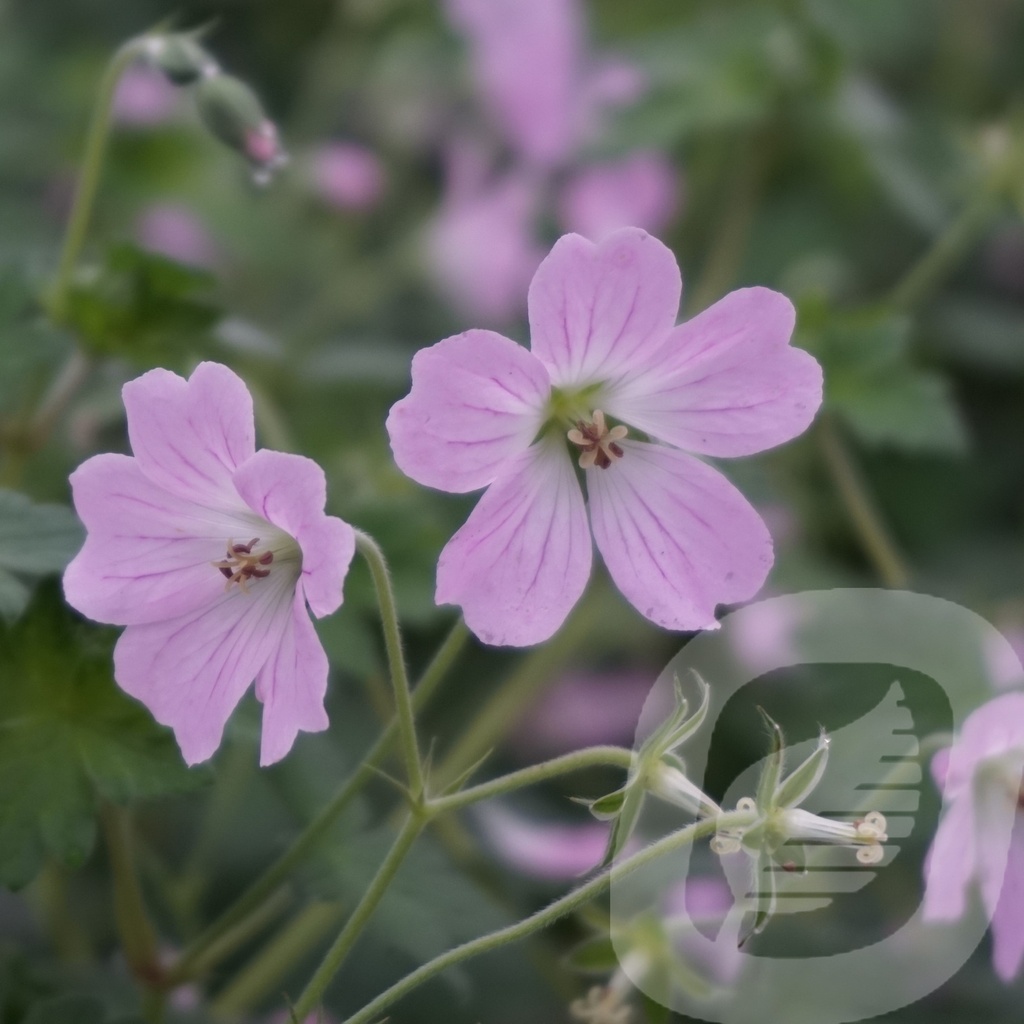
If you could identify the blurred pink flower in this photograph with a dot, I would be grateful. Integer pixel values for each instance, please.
(481, 247)
(347, 176)
(173, 230)
(526, 57)
(549, 850)
(981, 781)
(676, 536)
(209, 551)
(143, 97)
(639, 190)
(706, 901)
(583, 709)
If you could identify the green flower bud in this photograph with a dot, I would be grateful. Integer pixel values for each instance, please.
(181, 58)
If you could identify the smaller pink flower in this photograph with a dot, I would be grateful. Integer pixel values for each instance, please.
(347, 176)
(209, 552)
(640, 190)
(611, 384)
(981, 781)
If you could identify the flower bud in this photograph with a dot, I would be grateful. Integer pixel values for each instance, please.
(232, 112)
(181, 58)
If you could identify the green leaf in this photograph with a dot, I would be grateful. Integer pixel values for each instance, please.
(34, 540)
(771, 773)
(67, 736)
(872, 382)
(800, 782)
(145, 308)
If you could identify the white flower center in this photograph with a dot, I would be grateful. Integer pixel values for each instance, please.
(599, 443)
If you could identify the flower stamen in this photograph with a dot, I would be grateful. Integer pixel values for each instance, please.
(599, 444)
(241, 565)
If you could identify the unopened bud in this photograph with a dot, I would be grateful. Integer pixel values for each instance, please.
(181, 58)
(233, 113)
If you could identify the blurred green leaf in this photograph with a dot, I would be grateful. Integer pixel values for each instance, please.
(67, 736)
(145, 308)
(34, 540)
(594, 956)
(873, 384)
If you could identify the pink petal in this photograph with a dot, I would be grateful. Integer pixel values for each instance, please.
(950, 864)
(727, 382)
(1008, 920)
(523, 557)
(148, 553)
(477, 401)
(290, 491)
(526, 56)
(190, 436)
(677, 537)
(600, 311)
(639, 190)
(292, 686)
(192, 671)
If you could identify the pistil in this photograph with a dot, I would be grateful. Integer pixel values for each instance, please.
(242, 565)
(599, 444)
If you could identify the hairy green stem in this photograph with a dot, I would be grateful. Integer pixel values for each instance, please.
(89, 178)
(314, 833)
(535, 922)
(314, 990)
(577, 760)
(867, 520)
(371, 551)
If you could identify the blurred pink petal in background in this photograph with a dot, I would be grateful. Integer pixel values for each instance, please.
(347, 175)
(173, 230)
(526, 58)
(553, 851)
(640, 190)
(144, 97)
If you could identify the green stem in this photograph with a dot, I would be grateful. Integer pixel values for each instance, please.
(949, 248)
(568, 903)
(266, 970)
(137, 935)
(314, 833)
(370, 550)
(89, 178)
(588, 757)
(867, 520)
(314, 990)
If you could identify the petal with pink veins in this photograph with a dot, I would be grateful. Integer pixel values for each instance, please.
(191, 671)
(523, 557)
(477, 401)
(190, 436)
(148, 553)
(676, 536)
(600, 311)
(1008, 920)
(292, 685)
(950, 863)
(727, 382)
(290, 491)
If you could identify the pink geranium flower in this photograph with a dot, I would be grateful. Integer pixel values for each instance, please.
(981, 781)
(676, 536)
(209, 552)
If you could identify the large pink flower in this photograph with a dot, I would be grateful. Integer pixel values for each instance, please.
(981, 781)
(676, 536)
(209, 551)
